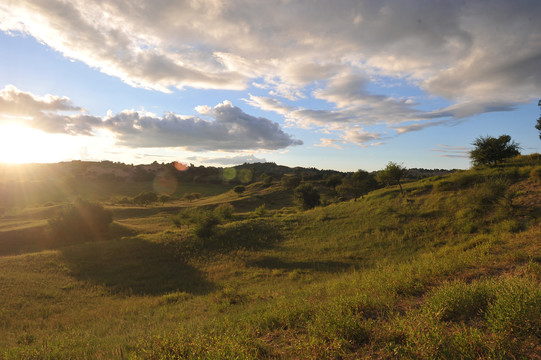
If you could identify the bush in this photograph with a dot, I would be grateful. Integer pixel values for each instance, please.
(145, 198)
(81, 221)
(535, 174)
(261, 211)
(224, 212)
(307, 195)
(515, 312)
(205, 224)
(459, 301)
(239, 189)
(191, 196)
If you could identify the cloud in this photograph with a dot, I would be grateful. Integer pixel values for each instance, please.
(231, 129)
(453, 151)
(229, 160)
(44, 113)
(335, 143)
(479, 56)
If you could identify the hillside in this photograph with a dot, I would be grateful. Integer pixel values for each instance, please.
(449, 269)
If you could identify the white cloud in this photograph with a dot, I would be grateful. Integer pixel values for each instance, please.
(231, 129)
(481, 56)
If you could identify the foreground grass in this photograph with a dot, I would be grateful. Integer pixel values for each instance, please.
(452, 270)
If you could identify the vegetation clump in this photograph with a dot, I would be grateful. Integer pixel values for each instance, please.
(490, 150)
(307, 195)
(81, 221)
(393, 174)
(145, 198)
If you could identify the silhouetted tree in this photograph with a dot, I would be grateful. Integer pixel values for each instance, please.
(490, 150)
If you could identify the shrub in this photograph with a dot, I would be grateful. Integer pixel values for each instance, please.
(191, 196)
(205, 224)
(80, 221)
(261, 211)
(459, 301)
(145, 198)
(224, 212)
(307, 195)
(239, 189)
(164, 198)
(535, 174)
(516, 309)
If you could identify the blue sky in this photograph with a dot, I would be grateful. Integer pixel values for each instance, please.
(340, 85)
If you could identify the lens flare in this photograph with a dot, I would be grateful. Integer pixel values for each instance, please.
(229, 174)
(180, 166)
(245, 176)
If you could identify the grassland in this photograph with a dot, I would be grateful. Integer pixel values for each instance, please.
(451, 269)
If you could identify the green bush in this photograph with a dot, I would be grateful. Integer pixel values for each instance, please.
(224, 212)
(459, 301)
(516, 309)
(261, 211)
(80, 221)
(145, 198)
(205, 224)
(307, 195)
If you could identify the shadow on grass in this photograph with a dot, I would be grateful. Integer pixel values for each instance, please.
(270, 262)
(23, 241)
(134, 266)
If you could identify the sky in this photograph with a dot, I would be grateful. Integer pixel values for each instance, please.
(342, 85)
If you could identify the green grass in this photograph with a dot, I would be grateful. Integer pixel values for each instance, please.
(452, 269)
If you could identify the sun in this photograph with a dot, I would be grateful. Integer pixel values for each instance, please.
(19, 144)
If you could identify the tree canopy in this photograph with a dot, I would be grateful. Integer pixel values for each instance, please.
(307, 195)
(490, 150)
(392, 174)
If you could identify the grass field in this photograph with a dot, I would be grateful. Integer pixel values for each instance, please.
(451, 269)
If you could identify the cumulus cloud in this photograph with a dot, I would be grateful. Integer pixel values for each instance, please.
(230, 129)
(480, 56)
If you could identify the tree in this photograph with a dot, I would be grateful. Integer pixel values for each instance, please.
(290, 181)
(307, 195)
(146, 197)
(358, 184)
(333, 181)
(490, 150)
(392, 175)
(164, 198)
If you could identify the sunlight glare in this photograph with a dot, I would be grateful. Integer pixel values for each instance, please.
(20, 144)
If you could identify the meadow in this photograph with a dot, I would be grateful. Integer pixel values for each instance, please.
(450, 268)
